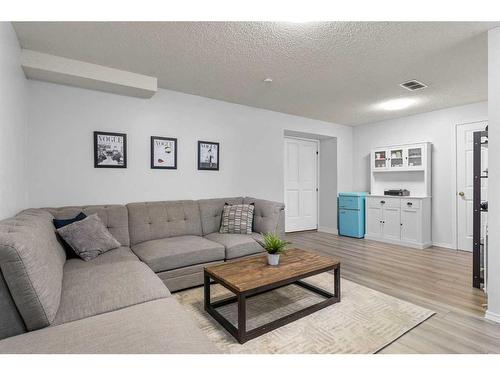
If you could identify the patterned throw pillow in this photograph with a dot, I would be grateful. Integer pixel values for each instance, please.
(237, 219)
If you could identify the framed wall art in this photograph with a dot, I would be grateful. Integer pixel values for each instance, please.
(110, 150)
(208, 156)
(163, 153)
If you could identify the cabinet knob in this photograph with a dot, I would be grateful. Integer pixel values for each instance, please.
(382, 202)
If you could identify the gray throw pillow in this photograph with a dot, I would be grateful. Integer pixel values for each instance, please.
(237, 218)
(89, 237)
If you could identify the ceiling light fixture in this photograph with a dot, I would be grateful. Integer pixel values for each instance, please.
(267, 80)
(396, 104)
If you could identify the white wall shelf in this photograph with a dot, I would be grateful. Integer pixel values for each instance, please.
(406, 166)
(399, 170)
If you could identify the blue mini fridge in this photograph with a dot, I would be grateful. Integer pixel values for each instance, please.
(352, 214)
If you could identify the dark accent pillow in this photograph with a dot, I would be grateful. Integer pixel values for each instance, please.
(237, 219)
(59, 223)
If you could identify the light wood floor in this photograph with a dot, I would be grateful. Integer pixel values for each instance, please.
(436, 278)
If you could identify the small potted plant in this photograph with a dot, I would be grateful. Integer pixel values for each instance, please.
(274, 246)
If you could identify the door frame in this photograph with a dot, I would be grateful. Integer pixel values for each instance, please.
(454, 204)
(317, 141)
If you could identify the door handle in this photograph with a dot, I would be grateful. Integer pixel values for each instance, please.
(462, 194)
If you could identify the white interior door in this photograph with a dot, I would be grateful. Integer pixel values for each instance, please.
(301, 183)
(465, 177)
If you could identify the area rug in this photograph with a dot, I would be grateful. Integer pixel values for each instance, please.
(365, 321)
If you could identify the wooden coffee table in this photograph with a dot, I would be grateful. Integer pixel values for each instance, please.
(252, 276)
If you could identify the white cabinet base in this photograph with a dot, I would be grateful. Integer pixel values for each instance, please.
(413, 245)
(404, 221)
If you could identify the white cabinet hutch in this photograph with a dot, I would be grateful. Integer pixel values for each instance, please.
(404, 220)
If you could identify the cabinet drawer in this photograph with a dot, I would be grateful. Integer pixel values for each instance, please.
(410, 203)
(377, 202)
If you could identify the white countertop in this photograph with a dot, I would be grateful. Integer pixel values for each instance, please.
(397, 196)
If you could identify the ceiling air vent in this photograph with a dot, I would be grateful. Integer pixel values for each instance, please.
(413, 85)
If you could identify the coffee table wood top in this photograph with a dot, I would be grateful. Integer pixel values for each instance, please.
(252, 273)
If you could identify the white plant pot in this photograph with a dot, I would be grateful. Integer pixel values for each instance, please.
(273, 259)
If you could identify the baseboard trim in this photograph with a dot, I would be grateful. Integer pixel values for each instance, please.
(494, 317)
(445, 245)
(328, 230)
(400, 243)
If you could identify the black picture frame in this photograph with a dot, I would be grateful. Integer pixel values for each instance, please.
(99, 163)
(153, 139)
(202, 166)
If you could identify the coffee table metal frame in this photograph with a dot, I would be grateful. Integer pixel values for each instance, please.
(240, 332)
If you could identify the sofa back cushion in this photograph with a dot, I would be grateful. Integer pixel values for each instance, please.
(211, 212)
(269, 216)
(114, 217)
(155, 220)
(32, 261)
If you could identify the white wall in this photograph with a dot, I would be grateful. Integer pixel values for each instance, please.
(13, 123)
(62, 119)
(494, 175)
(437, 127)
(328, 185)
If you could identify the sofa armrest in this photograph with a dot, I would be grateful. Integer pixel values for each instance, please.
(269, 216)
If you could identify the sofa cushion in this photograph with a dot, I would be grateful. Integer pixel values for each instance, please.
(160, 327)
(32, 261)
(89, 238)
(237, 245)
(211, 212)
(155, 220)
(114, 217)
(100, 286)
(269, 216)
(174, 252)
(258, 237)
(185, 277)
(121, 254)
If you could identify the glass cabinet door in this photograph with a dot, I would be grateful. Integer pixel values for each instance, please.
(415, 157)
(380, 159)
(397, 158)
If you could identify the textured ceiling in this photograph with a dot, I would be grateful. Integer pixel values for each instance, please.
(333, 71)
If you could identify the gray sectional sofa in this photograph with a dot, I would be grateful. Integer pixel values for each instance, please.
(119, 302)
